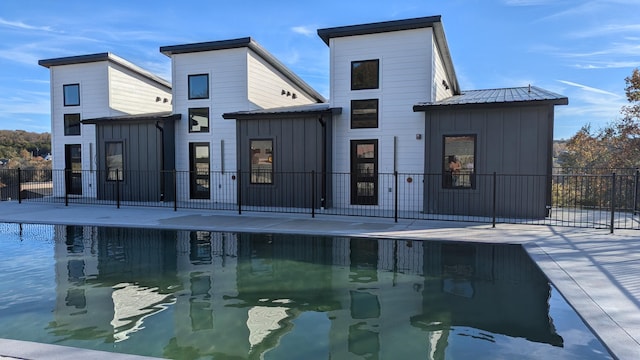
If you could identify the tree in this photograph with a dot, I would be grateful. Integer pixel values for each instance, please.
(616, 146)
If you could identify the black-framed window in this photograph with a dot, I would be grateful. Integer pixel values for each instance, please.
(365, 74)
(364, 114)
(199, 171)
(261, 161)
(198, 86)
(71, 124)
(459, 161)
(71, 94)
(114, 160)
(199, 119)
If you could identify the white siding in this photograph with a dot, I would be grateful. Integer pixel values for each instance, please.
(266, 85)
(130, 93)
(405, 79)
(227, 71)
(440, 75)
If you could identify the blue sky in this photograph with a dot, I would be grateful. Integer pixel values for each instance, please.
(582, 49)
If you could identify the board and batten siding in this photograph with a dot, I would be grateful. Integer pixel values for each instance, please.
(510, 140)
(265, 86)
(132, 94)
(405, 79)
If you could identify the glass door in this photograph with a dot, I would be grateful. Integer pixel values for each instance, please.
(364, 172)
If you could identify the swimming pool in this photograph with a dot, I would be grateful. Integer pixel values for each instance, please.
(197, 294)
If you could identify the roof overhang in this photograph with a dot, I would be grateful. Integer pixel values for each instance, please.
(285, 112)
(164, 116)
(106, 56)
(246, 42)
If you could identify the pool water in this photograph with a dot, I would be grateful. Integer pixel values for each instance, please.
(208, 295)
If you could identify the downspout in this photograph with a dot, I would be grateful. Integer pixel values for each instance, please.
(323, 179)
(162, 174)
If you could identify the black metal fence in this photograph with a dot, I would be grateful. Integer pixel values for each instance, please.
(578, 200)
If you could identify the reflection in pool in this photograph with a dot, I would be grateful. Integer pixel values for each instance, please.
(191, 295)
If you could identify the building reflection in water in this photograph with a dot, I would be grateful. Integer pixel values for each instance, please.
(244, 295)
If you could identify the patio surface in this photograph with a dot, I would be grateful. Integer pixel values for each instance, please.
(597, 272)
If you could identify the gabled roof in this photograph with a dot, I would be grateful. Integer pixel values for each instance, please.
(323, 108)
(525, 95)
(106, 56)
(148, 117)
(400, 25)
(247, 42)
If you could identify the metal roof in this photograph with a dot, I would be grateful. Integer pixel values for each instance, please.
(524, 95)
(289, 110)
(400, 25)
(247, 42)
(106, 56)
(165, 115)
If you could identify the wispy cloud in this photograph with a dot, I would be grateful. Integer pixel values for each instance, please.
(526, 2)
(22, 26)
(605, 30)
(589, 88)
(304, 30)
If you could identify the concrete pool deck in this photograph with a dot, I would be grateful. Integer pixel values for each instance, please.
(597, 272)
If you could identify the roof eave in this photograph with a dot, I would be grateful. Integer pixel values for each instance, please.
(134, 118)
(427, 107)
(244, 115)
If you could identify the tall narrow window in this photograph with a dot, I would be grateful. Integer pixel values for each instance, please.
(365, 74)
(459, 161)
(262, 161)
(364, 172)
(198, 86)
(114, 160)
(71, 124)
(199, 119)
(364, 114)
(199, 175)
(71, 94)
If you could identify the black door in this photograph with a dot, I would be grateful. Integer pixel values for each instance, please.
(73, 169)
(199, 175)
(364, 172)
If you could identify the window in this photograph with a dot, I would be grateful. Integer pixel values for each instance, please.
(199, 175)
(199, 119)
(459, 161)
(365, 74)
(364, 114)
(364, 172)
(262, 161)
(114, 160)
(198, 86)
(71, 94)
(72, 124)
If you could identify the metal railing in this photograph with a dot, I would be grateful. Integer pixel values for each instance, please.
(578, 200)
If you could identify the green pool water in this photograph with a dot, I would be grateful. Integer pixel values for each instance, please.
(208, 295)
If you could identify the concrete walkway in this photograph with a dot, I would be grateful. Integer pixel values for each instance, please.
(595, 271)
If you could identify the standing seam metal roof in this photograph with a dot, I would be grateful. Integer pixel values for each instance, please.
(525, 94)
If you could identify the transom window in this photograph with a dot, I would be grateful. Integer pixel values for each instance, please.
(71, 124)
(459, 161)
(198, 86)
(262, 161)
(365, 74)
(364, 114)
(199, 119)
(114, 160)
(71, 94)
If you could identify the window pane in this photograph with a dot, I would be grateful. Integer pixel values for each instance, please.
(459, 161)
(364, 74)
(199, 86)
(262, 161)
(71, 94)
(199, 170)
(114, 161)
(365, 151)
(199, 120)
(72, 124)
(364, 114)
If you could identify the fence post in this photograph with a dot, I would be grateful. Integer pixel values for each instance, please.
(175, 190)
(19, 186)
(118, 188)
(613, 202)
(67, 174)
(635, 192)
(493, 206)
(395, 195)
(313, 193)
(239, 192)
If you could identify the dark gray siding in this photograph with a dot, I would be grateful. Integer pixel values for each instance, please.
(299, 144)
(144, 144)
(513, 141)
